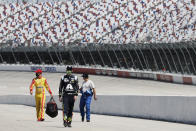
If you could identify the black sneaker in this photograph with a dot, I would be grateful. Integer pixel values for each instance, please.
(87, 120)
(69, 123)
(82, 119)
(42, 120)
(65, 123)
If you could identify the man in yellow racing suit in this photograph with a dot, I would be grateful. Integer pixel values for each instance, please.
(40, 83)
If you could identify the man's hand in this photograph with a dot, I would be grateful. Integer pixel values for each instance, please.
(52, 97)
(95, 98)
(94, 91)
(60, 99)
(75, 97)
(31, 92)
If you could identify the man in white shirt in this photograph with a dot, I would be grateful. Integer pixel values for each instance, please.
(88, 90)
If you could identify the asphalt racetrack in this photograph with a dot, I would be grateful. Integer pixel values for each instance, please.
(22, 118)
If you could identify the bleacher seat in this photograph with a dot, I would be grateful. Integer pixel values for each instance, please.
(107, 21)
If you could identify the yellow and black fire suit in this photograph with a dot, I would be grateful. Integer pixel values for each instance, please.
(40, 84)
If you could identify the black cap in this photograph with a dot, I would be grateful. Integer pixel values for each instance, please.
(69, 68)
(85, 75)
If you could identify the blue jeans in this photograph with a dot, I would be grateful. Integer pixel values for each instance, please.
(85, 100)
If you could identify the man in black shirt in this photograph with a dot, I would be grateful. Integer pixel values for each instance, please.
(68, 91)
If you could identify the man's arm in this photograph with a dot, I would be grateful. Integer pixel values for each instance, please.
(94, 93)
(60, 90)
(77, 85)
(48, 88)
(31, 86)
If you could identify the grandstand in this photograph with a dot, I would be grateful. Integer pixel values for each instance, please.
(153, 35)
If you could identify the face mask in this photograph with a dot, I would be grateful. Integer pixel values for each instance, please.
(68, 72)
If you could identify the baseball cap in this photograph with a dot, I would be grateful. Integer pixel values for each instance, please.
(85, 75)
(69, 68)
(38, 71)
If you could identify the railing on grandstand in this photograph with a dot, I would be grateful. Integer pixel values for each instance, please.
(161, 57)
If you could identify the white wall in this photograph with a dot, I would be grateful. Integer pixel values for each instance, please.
(160, 76)
(168, 108)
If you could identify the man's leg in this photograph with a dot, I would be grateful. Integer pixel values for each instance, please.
(43, 99)
(37, 101)
(88, 104)
(70, 110)
(82, 104)
(65, 107)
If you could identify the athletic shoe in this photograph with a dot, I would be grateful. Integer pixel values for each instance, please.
(42, 120)
(82, 119)
(87, 120)
(65, 123)
(69, 123)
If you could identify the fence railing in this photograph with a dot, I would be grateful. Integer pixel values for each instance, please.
(166, 57)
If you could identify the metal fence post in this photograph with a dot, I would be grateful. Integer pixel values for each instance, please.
(56, 55)
(130, 57)
(185, 60)
(82, 55)
(179, 60)
(160, 57)
(166, 58)
(143, 57)
(109, 57)
(172, 59)
(124, 57)
(60, 57)
(72, 58)
(91, 55)
(100, 56)
(115, 55)
(137, 56)
(50, 55)
(190, 58)
(38, 55)
(13, 55)
(1, 57)
(26, 56)
(193, 49)
(156, 65)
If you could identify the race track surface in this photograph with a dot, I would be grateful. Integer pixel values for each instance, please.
(22, 118)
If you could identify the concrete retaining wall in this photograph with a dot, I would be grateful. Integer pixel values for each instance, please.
(168, 108)
(160, 76)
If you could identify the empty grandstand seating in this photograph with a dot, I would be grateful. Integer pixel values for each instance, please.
(107, 21)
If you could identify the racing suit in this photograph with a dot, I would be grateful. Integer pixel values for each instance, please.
(40, 84)
(68, 88)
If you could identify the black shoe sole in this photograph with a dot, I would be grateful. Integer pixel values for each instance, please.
(69, 124)
(65, 124)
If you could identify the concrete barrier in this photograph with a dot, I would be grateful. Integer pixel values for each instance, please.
(160, 76)
(167, 108)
